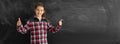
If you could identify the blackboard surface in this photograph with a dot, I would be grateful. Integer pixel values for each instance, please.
(84, 21)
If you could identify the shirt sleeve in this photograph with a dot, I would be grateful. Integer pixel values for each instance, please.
(54, 29)
(23, 29)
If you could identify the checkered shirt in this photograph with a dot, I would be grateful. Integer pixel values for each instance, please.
(38, 30)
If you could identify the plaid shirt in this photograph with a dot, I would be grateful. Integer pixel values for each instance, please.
(38, 30)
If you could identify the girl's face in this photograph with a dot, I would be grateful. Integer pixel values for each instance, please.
(39, 11)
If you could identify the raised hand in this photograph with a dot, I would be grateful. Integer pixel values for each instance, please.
(19, 22)
(60, 22)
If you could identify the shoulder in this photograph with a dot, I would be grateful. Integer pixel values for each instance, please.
(33, 19)
(44, 19)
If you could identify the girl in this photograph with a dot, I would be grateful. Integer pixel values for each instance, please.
(38, 26)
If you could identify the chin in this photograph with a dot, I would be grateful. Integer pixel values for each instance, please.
(39, 15)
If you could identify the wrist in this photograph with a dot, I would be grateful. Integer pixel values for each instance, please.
(19, 25)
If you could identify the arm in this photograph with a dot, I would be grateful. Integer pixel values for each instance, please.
(23, 29)
(54, 29)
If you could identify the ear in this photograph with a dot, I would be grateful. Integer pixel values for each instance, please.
(44, 12)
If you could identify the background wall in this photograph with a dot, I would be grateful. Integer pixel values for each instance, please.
(85, 21)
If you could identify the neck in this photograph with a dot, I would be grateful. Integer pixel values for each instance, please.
(39, 17)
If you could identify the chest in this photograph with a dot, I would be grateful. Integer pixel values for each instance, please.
(39, 26)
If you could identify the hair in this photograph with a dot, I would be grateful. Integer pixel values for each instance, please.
(42, 5)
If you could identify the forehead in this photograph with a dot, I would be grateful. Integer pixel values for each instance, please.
(40, 7)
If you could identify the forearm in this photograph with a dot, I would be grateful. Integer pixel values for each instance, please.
(55, 29)
(21, 29)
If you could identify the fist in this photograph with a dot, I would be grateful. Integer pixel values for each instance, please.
(60, 22)
(19, 22)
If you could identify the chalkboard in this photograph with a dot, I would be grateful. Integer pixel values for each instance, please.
(84, 21)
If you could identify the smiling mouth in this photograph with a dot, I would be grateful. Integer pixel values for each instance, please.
(39, 13)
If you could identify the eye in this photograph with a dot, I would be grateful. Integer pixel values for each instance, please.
(41, 10)
(37, 9)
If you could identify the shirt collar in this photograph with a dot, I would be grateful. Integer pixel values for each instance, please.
(36, 19)
(42, 17)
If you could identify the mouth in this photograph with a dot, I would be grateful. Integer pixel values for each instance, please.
(39, 13)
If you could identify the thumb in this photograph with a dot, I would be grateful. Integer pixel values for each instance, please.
(19, 19)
